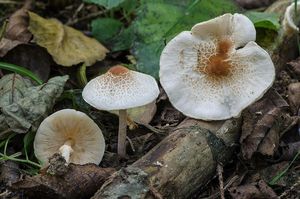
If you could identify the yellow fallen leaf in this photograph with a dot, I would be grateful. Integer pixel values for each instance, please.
(66, 45)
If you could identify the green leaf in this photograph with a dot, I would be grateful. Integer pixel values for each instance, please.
(264, 20)
(124, 40)
(27, 142)
(108, 4)
(160, 20)
(129, 6)
(20, 70)
(105, 29)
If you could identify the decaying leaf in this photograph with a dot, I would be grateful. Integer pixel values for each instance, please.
(169, 116)
(10, 171)
(264, 123)
(32, 57)
(294, 96)
(66, 45)
(254, 190)
(268, 173)
(18, 24)
(289, 151)
(81, 181)
(295, 67)
(16, 31)
(23, 105)
(6, 45)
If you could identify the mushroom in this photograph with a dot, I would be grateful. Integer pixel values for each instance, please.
(72, 134)
(291, 19)
(216, 70)
(140, 115)
(120, 89)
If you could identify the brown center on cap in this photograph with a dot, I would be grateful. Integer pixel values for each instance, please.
(118, 70)
(218, 65)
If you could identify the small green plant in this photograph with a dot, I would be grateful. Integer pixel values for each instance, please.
(282, 173)
(20, 70)
(27, 141)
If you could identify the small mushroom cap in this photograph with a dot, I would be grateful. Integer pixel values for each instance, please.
(74, 126)
(216, 70)
(120, 88)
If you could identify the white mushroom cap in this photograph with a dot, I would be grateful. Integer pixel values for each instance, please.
(289, 19)
(216, 70)
(119, 89)
(68, 125)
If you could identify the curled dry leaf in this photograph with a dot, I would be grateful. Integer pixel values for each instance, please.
(264, 123)
(81, 181)
(66, 45)
(254, 190)
(17, 30)
(294, 97)
(23, 105)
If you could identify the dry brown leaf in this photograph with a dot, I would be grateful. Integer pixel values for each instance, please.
(264, 123)
(81, 181)
(294, 96)
(9, 170)
(295, 67)
(66, 45)
(254, 190)
(17, 30)
(6, 45)
(289, 151)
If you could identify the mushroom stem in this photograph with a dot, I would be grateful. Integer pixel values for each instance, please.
(66, 150)
(122, 133)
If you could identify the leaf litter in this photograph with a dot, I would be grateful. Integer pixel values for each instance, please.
(16, 31)
(267, 126)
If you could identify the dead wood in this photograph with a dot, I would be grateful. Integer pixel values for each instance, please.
(180, 164)
(81, 181)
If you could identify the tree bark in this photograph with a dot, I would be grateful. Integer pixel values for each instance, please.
(184, 161)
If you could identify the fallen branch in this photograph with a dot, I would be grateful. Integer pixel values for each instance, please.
(184, 161)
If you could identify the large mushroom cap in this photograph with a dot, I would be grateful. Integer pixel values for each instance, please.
(119, 89)
(74, 127)
(216, 70)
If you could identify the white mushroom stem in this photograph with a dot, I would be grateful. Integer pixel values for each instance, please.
(122, 133)
(66, 150)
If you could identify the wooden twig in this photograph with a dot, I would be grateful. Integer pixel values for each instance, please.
(221, 182)
(87, 17)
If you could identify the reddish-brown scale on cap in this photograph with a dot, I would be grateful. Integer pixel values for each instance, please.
(218, 65)
(118, 70)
